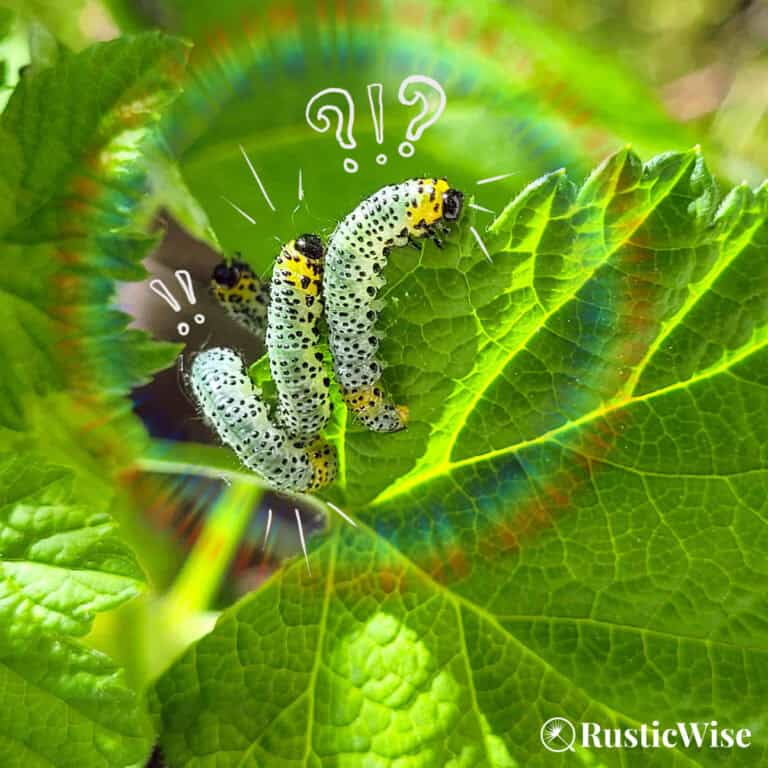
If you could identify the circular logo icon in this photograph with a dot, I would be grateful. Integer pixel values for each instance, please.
(558, 735)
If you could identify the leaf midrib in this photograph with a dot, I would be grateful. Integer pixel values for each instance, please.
(697, 293)
(458, 601)
(68, 569)
(656, 472)
(630, 628)
(470, 679)
(332, 542)
(497, 371)
(46, 693)
(80, 614)
(447, 467)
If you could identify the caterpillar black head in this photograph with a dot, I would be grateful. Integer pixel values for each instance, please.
(453, 202)
(244, 297)
(228, 274)
(310, 246)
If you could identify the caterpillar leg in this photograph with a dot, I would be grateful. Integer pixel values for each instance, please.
(374, 409)
(322, 457)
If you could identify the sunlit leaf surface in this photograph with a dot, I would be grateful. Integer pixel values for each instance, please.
(62, 704)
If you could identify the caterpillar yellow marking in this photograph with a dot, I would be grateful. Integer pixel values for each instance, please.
(427, 206)
(299, 270)
(322, 457)
(372, 407)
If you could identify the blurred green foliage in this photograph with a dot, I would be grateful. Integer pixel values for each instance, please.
(707, 60)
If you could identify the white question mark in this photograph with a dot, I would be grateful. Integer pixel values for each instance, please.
(428, 114)
(321, 122)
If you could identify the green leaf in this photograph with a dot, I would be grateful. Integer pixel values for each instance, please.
(573, 524)
(14, 53)
(44, 48)
(62, 19)
(59, 565)
(69, 707)
(71, 138)
(168, 192)
(6, 24)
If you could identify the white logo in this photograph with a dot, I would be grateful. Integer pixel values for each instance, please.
(558, 735)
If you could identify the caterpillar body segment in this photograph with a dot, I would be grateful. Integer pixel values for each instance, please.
(355, 259)
(374, 410)
(293, 337)
(235, 410)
